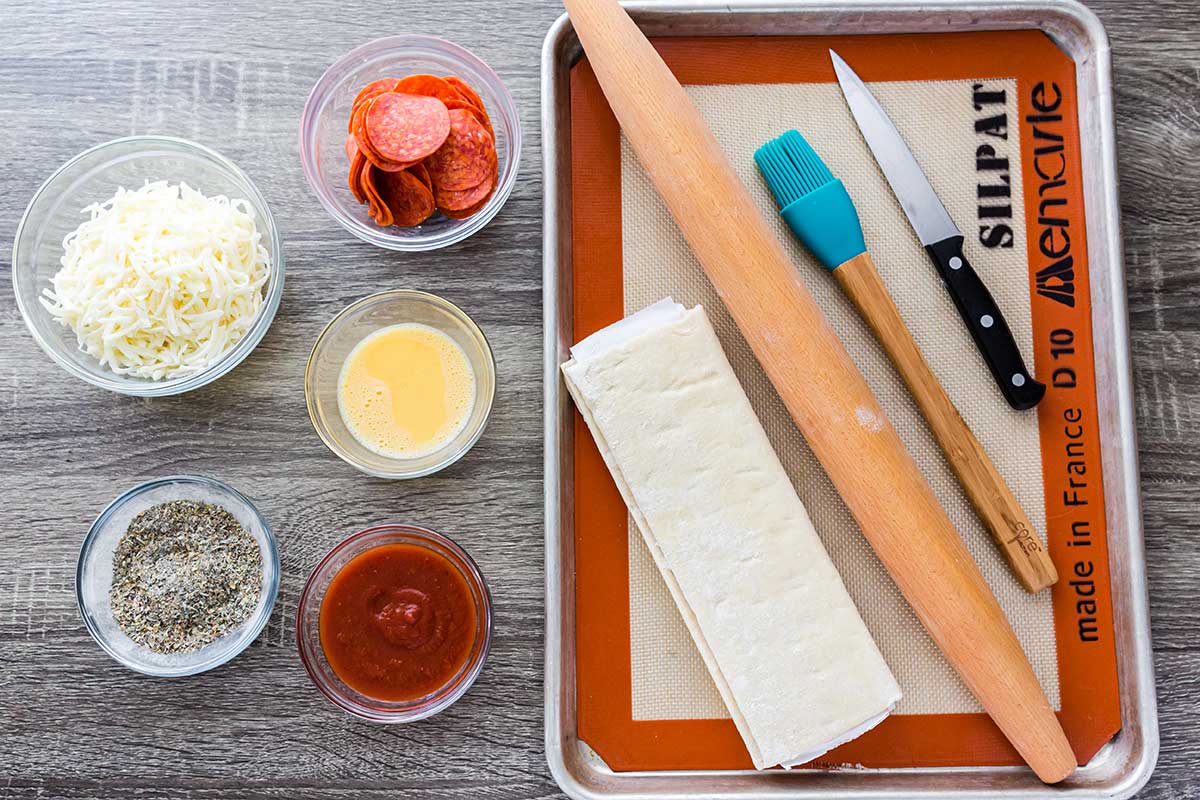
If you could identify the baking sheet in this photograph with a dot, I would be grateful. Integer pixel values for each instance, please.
(579, 769)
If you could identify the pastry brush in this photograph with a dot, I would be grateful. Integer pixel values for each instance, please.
(818, 209)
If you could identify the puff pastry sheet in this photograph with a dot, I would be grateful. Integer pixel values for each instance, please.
(782, 639)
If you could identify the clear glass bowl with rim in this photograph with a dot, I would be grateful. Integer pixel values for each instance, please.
(308, 626)
(93, 176)
(355, 323)
(327, 112)
(94, 575)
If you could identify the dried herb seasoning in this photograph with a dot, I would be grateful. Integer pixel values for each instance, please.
(184, 574)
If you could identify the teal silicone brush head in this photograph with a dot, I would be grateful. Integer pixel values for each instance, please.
(813, 203)
(792, 168)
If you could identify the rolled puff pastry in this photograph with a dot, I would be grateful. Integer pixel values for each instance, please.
(765, 606)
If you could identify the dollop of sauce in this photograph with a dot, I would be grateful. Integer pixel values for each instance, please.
(406, 617)
(398, 622)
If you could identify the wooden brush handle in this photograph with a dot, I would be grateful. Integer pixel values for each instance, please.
(993, 501)
(819, 384)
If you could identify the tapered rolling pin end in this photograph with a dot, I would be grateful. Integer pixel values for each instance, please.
(1056, 769)
(1055, 762)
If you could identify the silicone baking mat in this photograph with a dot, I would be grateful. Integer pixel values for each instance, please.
(991, 117)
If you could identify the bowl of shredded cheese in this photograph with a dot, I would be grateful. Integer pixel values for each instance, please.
(148, 266)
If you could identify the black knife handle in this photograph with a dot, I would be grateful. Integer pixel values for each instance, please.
(987, 326)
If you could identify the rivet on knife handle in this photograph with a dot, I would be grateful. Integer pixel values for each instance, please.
(987, 326)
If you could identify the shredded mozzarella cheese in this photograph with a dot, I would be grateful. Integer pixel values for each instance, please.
(161, 281)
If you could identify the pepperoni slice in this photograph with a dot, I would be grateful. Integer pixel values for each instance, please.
(452, 200)
(376, 207)
(466, 91)
(358, 122)
(406, 198)
(403, 128)
(422, 175)
(355, 176)
(473, 102)
(429, 86)
(351, 146)
(466, 105)
(479, 115)
(373, 207)
(372, 89)
(467, 155)
(356, 130)
(487, 123)
(466, 213)
(384, 165)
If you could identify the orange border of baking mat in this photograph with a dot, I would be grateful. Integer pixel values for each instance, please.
(1087, 671)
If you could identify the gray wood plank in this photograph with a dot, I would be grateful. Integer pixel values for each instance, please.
(235, 75)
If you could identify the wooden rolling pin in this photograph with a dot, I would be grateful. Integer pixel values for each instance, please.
(820, 385)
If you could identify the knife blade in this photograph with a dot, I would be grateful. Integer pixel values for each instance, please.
(942, 239)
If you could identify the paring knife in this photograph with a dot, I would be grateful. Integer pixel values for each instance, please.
(942, 240)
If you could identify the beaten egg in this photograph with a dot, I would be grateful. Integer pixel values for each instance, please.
(406, 390)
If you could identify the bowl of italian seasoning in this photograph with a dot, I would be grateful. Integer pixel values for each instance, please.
(177, 576)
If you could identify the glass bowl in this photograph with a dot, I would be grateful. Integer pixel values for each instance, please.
(93, 176)
(308, 628)
(94, 573)
(355, 323)
(323, 134)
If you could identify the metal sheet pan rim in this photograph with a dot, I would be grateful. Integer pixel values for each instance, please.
(580, 772)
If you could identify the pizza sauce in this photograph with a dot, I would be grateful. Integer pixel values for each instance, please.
(398, 622)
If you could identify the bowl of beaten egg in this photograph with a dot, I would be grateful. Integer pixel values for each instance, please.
(148, 266)
(400, 384)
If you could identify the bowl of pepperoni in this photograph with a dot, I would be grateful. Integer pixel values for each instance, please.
(411, 142)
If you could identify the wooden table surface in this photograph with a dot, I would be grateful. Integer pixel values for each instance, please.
(234, 76)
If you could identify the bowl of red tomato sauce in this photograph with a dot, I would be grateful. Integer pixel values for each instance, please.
(395, 623)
